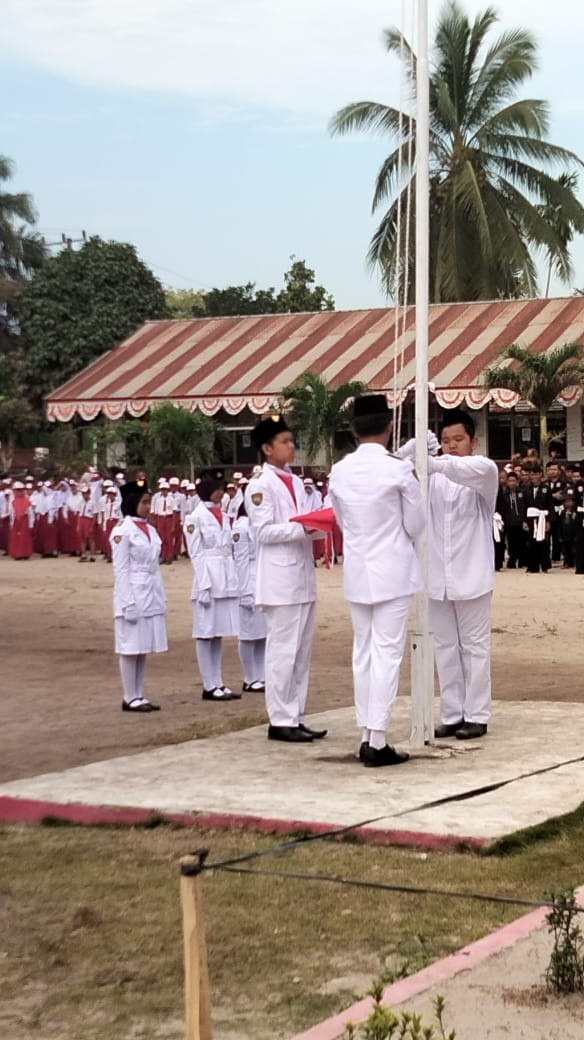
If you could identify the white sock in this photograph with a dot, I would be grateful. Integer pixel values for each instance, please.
(247, 658)
(377, 739)
(205, 661)
(216, 650)
(365, 735)
(259, 653)
(140, 672)
(128, 674)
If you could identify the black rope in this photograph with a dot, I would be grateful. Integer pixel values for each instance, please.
(382, 886)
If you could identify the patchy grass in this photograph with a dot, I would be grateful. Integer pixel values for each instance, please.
(90, 929)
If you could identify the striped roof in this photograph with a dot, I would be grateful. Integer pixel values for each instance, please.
(232, 363)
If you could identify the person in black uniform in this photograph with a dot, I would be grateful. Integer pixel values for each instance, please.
(515, 523)
(556, 486)
(538, 496)
(500, 511)
(568, 531)
(575, 493)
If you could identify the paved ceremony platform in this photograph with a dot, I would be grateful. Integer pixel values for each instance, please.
(529, 768)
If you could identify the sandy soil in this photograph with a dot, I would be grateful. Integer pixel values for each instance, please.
(60, 689)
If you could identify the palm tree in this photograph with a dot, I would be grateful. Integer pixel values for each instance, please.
(21, 250)
(537, 378)
(564, 227)
(177, 437)
(318, 412)
(489, 159)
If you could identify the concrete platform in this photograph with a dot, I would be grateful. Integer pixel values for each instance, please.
(529, 768)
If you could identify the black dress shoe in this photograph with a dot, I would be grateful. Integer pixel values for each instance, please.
(363, 749)
(291, 734)
(448, 729)
(217, 694)
(140, 704)
(253, 687)
(317, 734)
(385, 756)
(471, 730)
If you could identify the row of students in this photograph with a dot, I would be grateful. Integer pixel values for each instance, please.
(539, 522)
(223, 560)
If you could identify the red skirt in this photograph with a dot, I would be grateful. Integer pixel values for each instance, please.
(85, 525)
(165, 528)
(46, 536)
(4, 529)
(20, 539)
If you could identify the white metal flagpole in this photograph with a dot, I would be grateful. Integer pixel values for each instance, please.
(422, 658)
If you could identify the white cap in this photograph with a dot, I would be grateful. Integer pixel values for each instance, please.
(308, 480)
(18, 485)
(184, 483)
(174, 482)
(191, 487)
(163, 485)
(243, 480)
(230, 486)
(160, 481)
(111, 490)
(108, 483)
(84, 487)
(237, 476)
(319, 483)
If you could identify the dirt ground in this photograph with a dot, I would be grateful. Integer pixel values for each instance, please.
(60, 690)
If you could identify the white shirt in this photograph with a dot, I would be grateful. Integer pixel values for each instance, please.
(462, 493)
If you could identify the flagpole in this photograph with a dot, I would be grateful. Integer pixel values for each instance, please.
(422, 644)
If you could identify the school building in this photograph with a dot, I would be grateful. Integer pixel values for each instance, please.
(235, 368)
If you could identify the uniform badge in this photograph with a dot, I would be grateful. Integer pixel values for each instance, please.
(236, 537)
(190, 528)
(117, 538)
(257, 498)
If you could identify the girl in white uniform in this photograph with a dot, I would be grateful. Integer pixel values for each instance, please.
(252, 622)
(215, 591)
(139, 599)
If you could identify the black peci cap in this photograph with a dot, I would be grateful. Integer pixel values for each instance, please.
(266, 429)
(370, 404)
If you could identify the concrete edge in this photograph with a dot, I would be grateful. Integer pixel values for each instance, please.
(439, 972)
(25, 810)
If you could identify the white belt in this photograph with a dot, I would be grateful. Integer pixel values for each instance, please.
(539, 516)
(497, 526)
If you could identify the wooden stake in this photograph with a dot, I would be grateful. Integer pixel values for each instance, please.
(197, 999)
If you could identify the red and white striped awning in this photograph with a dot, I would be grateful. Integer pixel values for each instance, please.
(234, 363)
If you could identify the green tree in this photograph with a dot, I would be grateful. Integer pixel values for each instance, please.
(537, 378)
(174, 436)
(563, 226)
(318, 412)
(80, 304)
(185, 303)
(489, 162)
(16, 417)
(299, 294)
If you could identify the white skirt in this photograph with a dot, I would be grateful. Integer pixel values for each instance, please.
(252, 624)
(220, 618)
(147, 636)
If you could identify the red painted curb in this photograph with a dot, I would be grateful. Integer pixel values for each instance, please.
(439, 972)
(24, 810)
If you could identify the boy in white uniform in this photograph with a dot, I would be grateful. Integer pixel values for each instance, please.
(285, 581)
(378, 506)
(462, 492)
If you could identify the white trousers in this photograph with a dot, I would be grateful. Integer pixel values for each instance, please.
(379, 633)
(288, 651)
(462, 643)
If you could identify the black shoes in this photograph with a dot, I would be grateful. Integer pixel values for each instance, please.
(220, 693)
(471, 730)
(385, 756)
(448, 729)
(316, 734)
(140, 704)
(290, 734)
(253, 687)
(363, 749)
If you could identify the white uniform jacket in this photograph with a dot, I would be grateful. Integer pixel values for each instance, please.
(378, 506)
(137, 579)
(285, 574)
(244, 555)
(209, 547)
(461, 501)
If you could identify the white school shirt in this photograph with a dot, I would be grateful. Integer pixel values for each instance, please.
(462, 493)
(4, 510)
(137, 579)
(285, 571)
(210, 549)
(378, 505)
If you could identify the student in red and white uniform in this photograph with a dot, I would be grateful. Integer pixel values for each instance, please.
(177, 534)
(20, 545)
(252, 622)
(111, 514)
(47, 510)
(164, 519)
(139, 599)
(215, 590)
(86, 520)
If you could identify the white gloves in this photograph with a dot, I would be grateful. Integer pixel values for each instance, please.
(204, 598)
(408, 450)
(247, 601)
(131, 615)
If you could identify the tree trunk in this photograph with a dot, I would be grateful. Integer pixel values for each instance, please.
(543, 436)
(329, 453)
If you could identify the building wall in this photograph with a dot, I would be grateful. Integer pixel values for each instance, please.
(574, 433)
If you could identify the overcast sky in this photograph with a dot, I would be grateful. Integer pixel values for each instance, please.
(196, 129)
